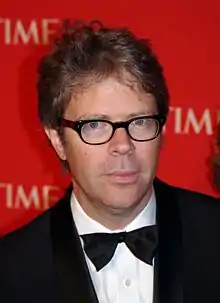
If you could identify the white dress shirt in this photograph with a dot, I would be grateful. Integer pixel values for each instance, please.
(125, 279)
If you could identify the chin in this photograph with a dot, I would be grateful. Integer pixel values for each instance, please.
(122, 200)
(119, 208)
(124, 196)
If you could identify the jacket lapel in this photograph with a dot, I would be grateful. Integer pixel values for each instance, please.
(70, 263)
(169, 259)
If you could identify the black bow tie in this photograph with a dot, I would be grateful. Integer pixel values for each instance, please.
(100, 247)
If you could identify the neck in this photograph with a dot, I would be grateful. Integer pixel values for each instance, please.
(109, 217)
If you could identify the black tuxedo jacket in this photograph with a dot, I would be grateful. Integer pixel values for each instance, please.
(43, 262)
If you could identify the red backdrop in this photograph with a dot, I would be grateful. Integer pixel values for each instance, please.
(185, 35)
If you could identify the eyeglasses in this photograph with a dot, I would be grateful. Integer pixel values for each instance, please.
(100, 131)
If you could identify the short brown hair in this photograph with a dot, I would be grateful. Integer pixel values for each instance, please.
(86, 52)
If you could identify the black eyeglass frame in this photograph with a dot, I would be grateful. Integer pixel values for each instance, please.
(78, 125)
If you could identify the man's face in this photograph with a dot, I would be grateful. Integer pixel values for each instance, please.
(119, 173)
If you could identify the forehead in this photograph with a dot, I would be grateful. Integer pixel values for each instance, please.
(111, 98)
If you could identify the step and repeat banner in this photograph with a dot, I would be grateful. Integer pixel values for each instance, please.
(185, 36)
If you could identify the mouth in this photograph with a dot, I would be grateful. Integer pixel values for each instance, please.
(123, 177)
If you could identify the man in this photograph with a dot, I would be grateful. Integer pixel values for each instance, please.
(119, 234)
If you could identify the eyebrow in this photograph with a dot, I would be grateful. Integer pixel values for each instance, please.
(142, 113)
(107, 117)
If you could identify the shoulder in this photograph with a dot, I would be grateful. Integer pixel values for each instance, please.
(190, 201)
(22, 250)
(19, 241)
(26, 254)
(37, 228)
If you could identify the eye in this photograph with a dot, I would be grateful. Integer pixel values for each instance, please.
(93, 124)
(140, 122)
(144, 123)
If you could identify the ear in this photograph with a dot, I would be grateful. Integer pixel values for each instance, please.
(56, 142)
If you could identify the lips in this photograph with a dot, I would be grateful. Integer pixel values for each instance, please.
(123, 177)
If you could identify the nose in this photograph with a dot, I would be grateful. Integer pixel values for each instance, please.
(121, 143)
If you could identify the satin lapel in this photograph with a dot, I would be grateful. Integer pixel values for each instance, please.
(69, 259)
(169, 259)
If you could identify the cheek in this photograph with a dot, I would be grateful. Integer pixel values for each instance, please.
(77, 157)
(83, 158)
(76, 151)
(148, 154)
